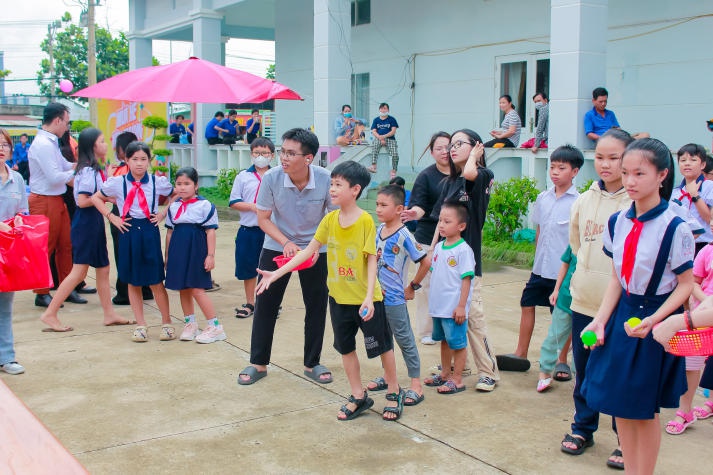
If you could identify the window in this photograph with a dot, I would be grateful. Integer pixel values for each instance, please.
(360, 96)
(361, 12)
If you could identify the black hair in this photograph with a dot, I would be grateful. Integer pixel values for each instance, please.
(262, 142)
(24, 135)
(544, 95)
(188, 172)
(384, 104)
(568, 154)
(254, 111)
(658, 154)
(619, 134)
(232, 112)
(398, 181)
(709, 164)
(123, 140)
(65, 147)
(460, 209)
(432, 142)
(354, 173)
(396, 192)
(694, 150)
(345, 106)
(508, 98)
(85, 154)
(308, 141)
(180, 116)
(599, 91)
(474, 138)
(137, 146)
(219, 114)
(52, 111)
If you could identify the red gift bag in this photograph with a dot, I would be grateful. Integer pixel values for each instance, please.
(24, 264)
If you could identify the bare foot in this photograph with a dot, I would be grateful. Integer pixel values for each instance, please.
(54, 324)
(113, 320)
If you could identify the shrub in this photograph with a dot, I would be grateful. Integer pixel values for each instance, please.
(585, 186)
(224, 183)
(79, 125)
(509, 202)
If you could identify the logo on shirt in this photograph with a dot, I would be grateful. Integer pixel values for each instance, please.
(395, 249)
(346, 272)
(592, 230)
(351, 253)
(452, 262)
(419, 247)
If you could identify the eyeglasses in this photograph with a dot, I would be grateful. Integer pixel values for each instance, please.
(459, 144)
(261, 154)
(5, 145)
(291, 154)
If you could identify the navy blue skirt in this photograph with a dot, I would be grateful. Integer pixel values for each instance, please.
(89, 238)
(187, 250)
(629, 377)
(140, 258)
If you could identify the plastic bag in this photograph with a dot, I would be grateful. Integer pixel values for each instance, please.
(24, 264)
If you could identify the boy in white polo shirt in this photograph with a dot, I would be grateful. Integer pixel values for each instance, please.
(551, 215)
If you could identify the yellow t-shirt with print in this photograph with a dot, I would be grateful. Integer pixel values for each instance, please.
(347, 252)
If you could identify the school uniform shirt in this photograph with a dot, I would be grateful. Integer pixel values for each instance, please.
(705, 192)
(347, 252)
(230, 126)
(655, 221)
(588, 219)
(13, 195)
(201, 212)
(87, 182)
(685, 214)
(49, 171)
(393, 253)
(115, 186)
(210, 132)
(245, 189)
(449, 266)
(551, 214)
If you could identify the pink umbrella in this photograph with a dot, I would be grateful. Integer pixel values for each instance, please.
(193, 80)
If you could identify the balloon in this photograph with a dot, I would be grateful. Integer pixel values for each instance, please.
(66, 86)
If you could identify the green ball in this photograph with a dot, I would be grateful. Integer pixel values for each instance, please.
(634, 322)
(589, 338)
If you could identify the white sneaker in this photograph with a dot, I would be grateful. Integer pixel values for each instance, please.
(211, 334)
(427, 340)
(190, 331)
(141, 334)
(167, 333)
(13, 368)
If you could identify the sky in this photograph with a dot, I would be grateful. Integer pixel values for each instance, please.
(24, 26)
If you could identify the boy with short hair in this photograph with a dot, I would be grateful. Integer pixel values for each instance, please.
(551, 215)
(355, 298)
(394, 247)
(250, 238)
(212, 129)
(229, 127)
(452, 269)
(252, 128)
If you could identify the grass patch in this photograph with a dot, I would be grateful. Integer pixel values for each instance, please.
(212, 194)
(518, 254)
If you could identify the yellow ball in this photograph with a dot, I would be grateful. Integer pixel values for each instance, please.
(634, 322)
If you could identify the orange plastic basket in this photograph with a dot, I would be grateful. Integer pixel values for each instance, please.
(698, 342)
(282, 260)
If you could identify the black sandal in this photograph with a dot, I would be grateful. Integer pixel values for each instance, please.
(361, 405)
(247, 310)
(614, 464)
(580, 444)
(399, 398)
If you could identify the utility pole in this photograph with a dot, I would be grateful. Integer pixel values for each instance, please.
(91, 59)
(51, 29)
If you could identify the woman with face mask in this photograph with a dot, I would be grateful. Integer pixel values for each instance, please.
(348, 129)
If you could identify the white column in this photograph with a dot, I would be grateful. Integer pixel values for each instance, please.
(578, 47)
(140, 49)
(332, 66)
(207, 45)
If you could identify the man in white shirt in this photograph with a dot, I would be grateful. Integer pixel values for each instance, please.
(49, 175)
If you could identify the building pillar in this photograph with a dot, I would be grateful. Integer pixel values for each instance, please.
(207, 45)
(332, 66)
(140, 49)
(578, 47)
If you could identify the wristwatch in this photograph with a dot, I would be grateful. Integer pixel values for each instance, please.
(694, 199)
(415, 286)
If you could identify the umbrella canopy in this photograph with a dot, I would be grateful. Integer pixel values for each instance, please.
(192, 80)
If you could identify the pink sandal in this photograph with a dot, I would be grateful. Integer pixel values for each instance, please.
(674, 427)
(704, 412)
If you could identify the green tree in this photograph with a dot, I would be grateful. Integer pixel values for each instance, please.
(70, 58)
(270, 73)
(4, 73)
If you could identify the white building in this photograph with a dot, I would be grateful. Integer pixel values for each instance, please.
(443, 65)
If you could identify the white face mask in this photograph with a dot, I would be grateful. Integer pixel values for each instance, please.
(261, 162)
(539, 105)
(383, 114)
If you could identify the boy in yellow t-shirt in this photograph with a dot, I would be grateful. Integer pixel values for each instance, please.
(355, 297)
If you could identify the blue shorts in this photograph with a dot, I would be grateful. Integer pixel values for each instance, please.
(447, 329)
(248, 244)
(537, 292)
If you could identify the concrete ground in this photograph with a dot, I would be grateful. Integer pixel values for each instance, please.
(174, 407)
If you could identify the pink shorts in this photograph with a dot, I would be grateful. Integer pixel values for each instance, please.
(695, 363)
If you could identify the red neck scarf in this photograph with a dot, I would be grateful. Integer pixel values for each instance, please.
(184, 206)
(686, 194)
(134, 192)
(630, 245)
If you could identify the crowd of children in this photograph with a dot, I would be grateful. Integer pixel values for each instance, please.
(625, 247)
